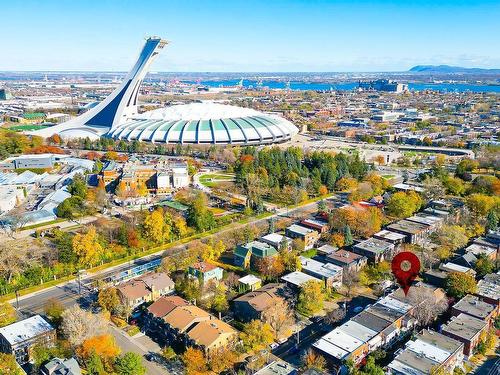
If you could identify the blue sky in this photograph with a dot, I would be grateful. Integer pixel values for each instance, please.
(252, 35)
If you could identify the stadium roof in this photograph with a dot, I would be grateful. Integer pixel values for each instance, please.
(205, 123)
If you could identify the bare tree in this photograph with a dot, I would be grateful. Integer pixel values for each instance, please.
(427, 306)
(13, 259)
(350, 279)
(279, 316)
(79, 325)
(335, 316)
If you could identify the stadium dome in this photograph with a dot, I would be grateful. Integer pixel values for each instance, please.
(205, 123)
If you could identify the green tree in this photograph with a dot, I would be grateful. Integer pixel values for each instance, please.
(129, 364)
(94, 365)
(403, 204)
(491, 221)
(311, 298)
(348, 241)
(198, 215)
(78, 187)
(484, 265)
(459, 284)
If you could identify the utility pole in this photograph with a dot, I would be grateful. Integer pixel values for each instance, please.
(17, 299)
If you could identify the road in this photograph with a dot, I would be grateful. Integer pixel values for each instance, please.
(67, 293)
(291, 352)
(133, 344)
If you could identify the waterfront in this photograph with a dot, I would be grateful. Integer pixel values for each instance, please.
(346, 86)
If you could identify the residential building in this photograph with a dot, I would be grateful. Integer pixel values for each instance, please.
(58, 366)
(320, 226)
(277, 241)
(297, 279)
(149, 287)
(466, 329)
(428, 351)
(433, 222)
(211, 335)
(374, 249)
(19, 338)
(251, 305)
(331, 274)
(205, 272)
(326, 250)
(386, 235)
(488, 289)
(246, 255)
(452, 267)
(309, 236)
(164, 305)
(473, 306)
(477, 249)
(349, 261)
(415, 233)
(277, 367)
(249, 283)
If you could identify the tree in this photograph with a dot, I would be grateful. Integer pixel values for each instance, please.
(53, 310)
(222, 359)
(484, 266)
(103, 345)
(155, 228)
(350, 279)
(403, 204)
(78, 187)
(87, 247)
(311, 298)
(491, 221)
(195, 361)
(280, 317)
(458, 284)
(198, 215)
(79, 325)
(142, 189)
(121, 190)
(94, 365)
(256, 335)
(449, 238)
(335, 316)
(323, 190)
(179, 227)
(311, 360)
(13, 259)
(129, 364)
(426, 306)
(8, 365)
(270, 267)
(348, 241)
(108, 299)
(346, 184)
(219, 300)
(481, 204)
(8, 314)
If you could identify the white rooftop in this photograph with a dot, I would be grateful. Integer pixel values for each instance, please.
(394, 304)
(274, 237)
(387, 234)
(357, 330)
(298, 278)
(452, 267)
(249, 279)
(324, 269)
(431, 352)
(25, 329)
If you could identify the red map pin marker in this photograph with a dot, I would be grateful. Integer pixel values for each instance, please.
(405, 268)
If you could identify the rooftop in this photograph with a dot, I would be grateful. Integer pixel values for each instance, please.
(344, 256)
(165, 305)
(299, 229)
(388, 235)
(473, 306)
(374, 245)
(409, 227)
(464, 326)
(325, 270)
(249, 280)
(141, 286)
(25, 329)
(278, 367)
(490, 286)
(208, 332)
(298, 278)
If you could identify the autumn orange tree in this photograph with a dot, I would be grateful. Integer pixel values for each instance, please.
(194, 361)
(103, 346)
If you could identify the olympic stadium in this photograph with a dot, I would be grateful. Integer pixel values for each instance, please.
(198, 123)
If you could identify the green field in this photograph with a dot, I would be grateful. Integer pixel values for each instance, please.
(213, 180)
(22, 128)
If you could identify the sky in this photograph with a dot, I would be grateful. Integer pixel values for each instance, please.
(249, 36)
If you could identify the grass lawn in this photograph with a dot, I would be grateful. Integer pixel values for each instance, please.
(213, 180)
(309, 253)
(27, 127)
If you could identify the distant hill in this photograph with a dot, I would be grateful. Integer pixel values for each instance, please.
(450, 69)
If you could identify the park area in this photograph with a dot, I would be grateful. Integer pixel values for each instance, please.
(217, 180)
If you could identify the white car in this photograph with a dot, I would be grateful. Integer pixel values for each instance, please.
(274, 345)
